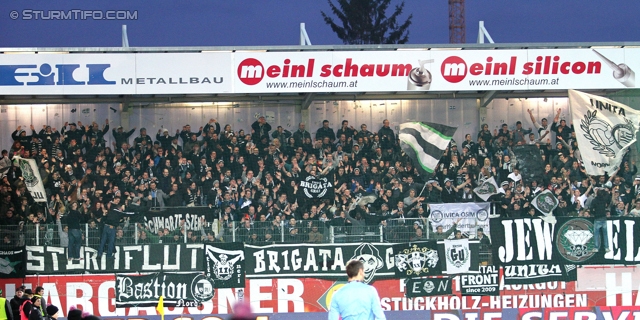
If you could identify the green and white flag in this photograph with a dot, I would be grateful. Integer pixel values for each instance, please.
(31, 178)
(545, 202)
(605, 129)
(424, 143)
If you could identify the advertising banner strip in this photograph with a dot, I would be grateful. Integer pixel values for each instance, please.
(319, 71)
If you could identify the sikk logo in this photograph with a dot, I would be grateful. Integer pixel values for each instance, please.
(45, 75)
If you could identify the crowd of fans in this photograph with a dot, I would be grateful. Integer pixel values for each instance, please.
(249, 179)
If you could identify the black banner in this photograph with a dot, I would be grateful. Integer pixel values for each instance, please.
(486, 283)
(12, 263)
(421, 287)
(224, 262)
(539, 273)
(172, 218)
(417, 259)
(144, 258)
(177, 289)
(322, 261)
(529, 162)
(569, 241)
(316, 187)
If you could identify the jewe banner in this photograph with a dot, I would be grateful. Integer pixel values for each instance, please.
(322, 261)
(469, 216)
(177, 289)
(13, 262)
(570, 240)
(31, 178)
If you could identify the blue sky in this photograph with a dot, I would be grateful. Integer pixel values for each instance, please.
(276, 22)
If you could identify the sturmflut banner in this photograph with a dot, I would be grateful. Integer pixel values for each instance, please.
(471, 216)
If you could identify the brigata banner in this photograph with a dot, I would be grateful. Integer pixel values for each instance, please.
(12, 262)
(469, 216)
(188, 289)
(316, 187)
(192, 218)
(569, 241)
(143, 258)
(323, 261)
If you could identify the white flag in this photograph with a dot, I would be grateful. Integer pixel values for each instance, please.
(486, 189)
(458, 256)
(604, 130)
(31, 177)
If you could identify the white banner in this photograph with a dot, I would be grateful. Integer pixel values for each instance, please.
(318, 71)
(604, 129)
(458, 256)
(31, 178)
(469, 215)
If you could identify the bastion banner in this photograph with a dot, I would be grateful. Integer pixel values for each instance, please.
(177, 289)
(570, 241)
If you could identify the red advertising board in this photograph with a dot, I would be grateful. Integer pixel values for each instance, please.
(596, 287)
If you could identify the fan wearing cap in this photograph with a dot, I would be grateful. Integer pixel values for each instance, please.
(36, 311)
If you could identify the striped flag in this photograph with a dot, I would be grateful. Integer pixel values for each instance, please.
(424, 143)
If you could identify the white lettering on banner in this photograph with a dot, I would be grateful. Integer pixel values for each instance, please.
(294, 261)
(284, 297)
(613, 289)
(39, 266)
(522, 240)
(532, 270)
(75, 299)
(258, 296)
